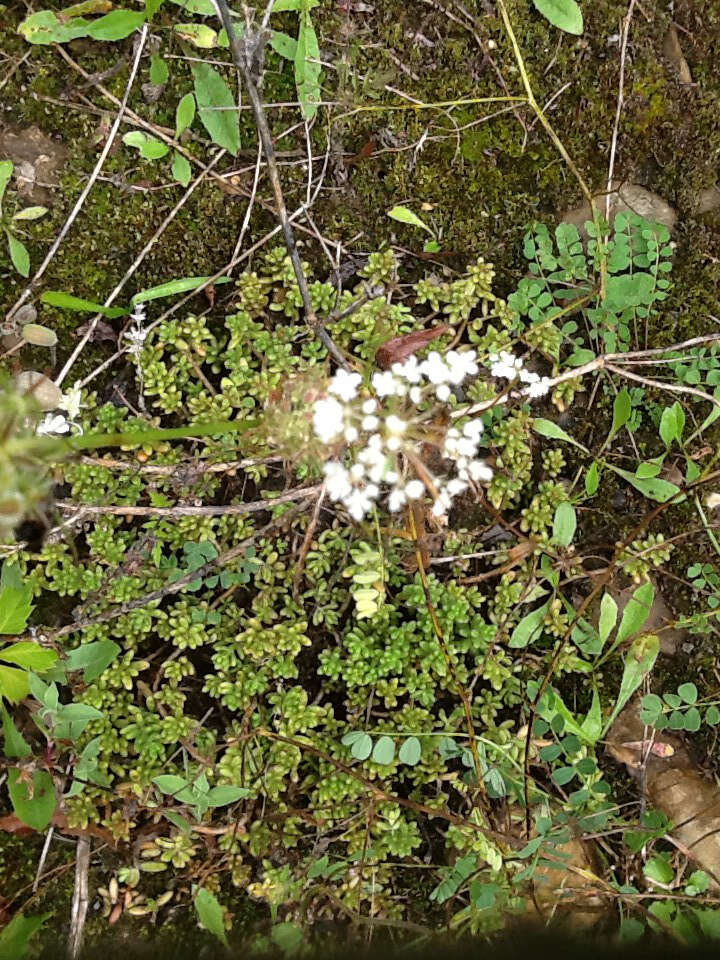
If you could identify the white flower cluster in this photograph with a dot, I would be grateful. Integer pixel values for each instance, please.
(507, 366)
(55, 424)
(386, 433)
(135, 337)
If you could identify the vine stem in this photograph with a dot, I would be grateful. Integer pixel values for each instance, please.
(462, 692)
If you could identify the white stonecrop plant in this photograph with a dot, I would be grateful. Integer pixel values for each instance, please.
(385, 434)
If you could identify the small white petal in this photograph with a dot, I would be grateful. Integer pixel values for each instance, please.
(394, 443)
(439, 509)
(345, 385)
(370, 423)
(370, 406)
(351, 434)
(443, 392)
(415, 394)
(396, 500)
(414, 489)
(395, 424)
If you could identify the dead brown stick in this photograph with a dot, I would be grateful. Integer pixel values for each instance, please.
(180, 510)
(80, 897)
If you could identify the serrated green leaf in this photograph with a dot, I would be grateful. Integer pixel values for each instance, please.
(307, 67)
(92, 658)
(564, 14)
(14, 685)
(217, 107)
(211, 914)
(15, 600)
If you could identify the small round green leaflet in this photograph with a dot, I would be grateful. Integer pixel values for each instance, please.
(384, 751)
(360, 744)
(410, 751)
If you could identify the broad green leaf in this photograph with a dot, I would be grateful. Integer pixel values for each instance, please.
(564, 524)
(530, 627)
(18, 254)
(622, 408)
(16, 936)
(649, 468)
(15, 744)
(151, 8)
(287, 937)
(184, 114)
(283, 44)
(639, 661)
(659, 870)
(30, 213)
(6, 169)
(592, 479)
(150, 147)
(181, 169)
(14, 684)
(655, 488)
(564, 14)
(410, 751)
(384, 750)
(608, 616)
(34, 810)
(173, 287)
(404, 215)
(672, 424)
(307, 67)
(92, 658)
(170, 783)
(116, 25)
(199, 34)
(159, 71)
(224, 794)
(217, 107)
(210, 914)
(45, 27)
(201, 8)
(29, 655)
(546, 428)
(281, 6)
(636, 612)
(15, 600)
(66, 301)
(592, 724)
(688, 692)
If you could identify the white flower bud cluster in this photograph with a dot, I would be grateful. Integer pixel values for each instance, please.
(507, 366)
(386, 432)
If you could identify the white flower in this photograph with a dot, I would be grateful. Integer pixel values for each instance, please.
(370, 406)
(505, 365)
(396, 499)
(70, 401)
(435, 368)
(53, 423)
(370, 423)
(338, 480)
(414, 489)
(351, 434)
(480, 471)
(473, 429)
(328, 419)
(357, 471)
(539, 389)
(455, 486)
(439, 509)
(461, 365)
(384, 384)
(415, 394)
(344, 385)
(443, 392)
(395, 424)
(394, 443)
(358, 503)
(410, 370)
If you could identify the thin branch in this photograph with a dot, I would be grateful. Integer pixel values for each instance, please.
(80, 898)
(618, 111)
(248, 56)
(91, 180)
(232, 509)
